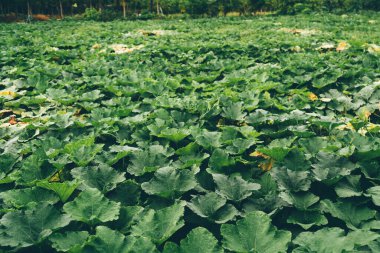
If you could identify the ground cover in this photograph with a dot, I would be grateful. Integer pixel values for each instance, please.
(212, 135)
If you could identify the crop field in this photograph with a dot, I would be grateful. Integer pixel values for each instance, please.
(256, 134)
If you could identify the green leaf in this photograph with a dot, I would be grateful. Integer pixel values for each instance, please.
(370, 170)
(119, 152)
(191, 155)
(197, 240)
(353, 215)
(209, 140)
(277, 153)
(368, 149)
(348, 187)
(161, 224)
(220, 159)
(239, 146)
(307, 219)
(371, 225)
(21, 229)
(149, 160)
(92, 207)
(169, 182)
(34, 168)
(296, 161)
(374, 193)
(213, 207)
(108, 240)
(332, 240)
(130, 187)
(330, 168)
(102, 177)
(173, 134)
(69, 240)
(234, 187)
(374, 246)
(7, 161)
(83, 151)
(300, 200)
(128, 216)
(254, 233)
(22, 197)
(289, 180)
(63, 190)
(234, 111)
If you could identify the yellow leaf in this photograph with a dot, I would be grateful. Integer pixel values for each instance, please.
(267, 165)
(122, 49)
(259, 154)
(56, 177)
(347, 126)
(312, 96)
(342, 46)
(96, 46)
(373, 49)
(5, 93)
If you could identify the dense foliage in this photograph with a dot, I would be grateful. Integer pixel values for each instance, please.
(193, 7)
(210, 135)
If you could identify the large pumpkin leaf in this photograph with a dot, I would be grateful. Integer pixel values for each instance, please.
(197, 240)
(329, 168)
(161, 224)
(7, 161)
(169, 182)
(68, 241)
(349, 212)
(332, 240)
(234, 187)
(213, 207)
(102, 177)
(34, 168)
(64, 190)
(289, 180)
(234, 111)
(307, 219)
(209, 140)
(21, 229)
(173, 134)
(254, 233)
(92, 207)
(22, 197)
(220, 159)
(300, 200)
(83, 151)
(349, 187)
(374, 193)
(149, 160)
(108, 240)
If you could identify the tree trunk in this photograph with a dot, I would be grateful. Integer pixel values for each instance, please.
(61, 9)
(124, 5)
(151, 6)
(158, 8)
(29, 9)
(100, 5)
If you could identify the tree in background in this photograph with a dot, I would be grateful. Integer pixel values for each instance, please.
(124, 8)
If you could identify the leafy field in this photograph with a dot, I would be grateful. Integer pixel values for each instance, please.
(211, 135)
